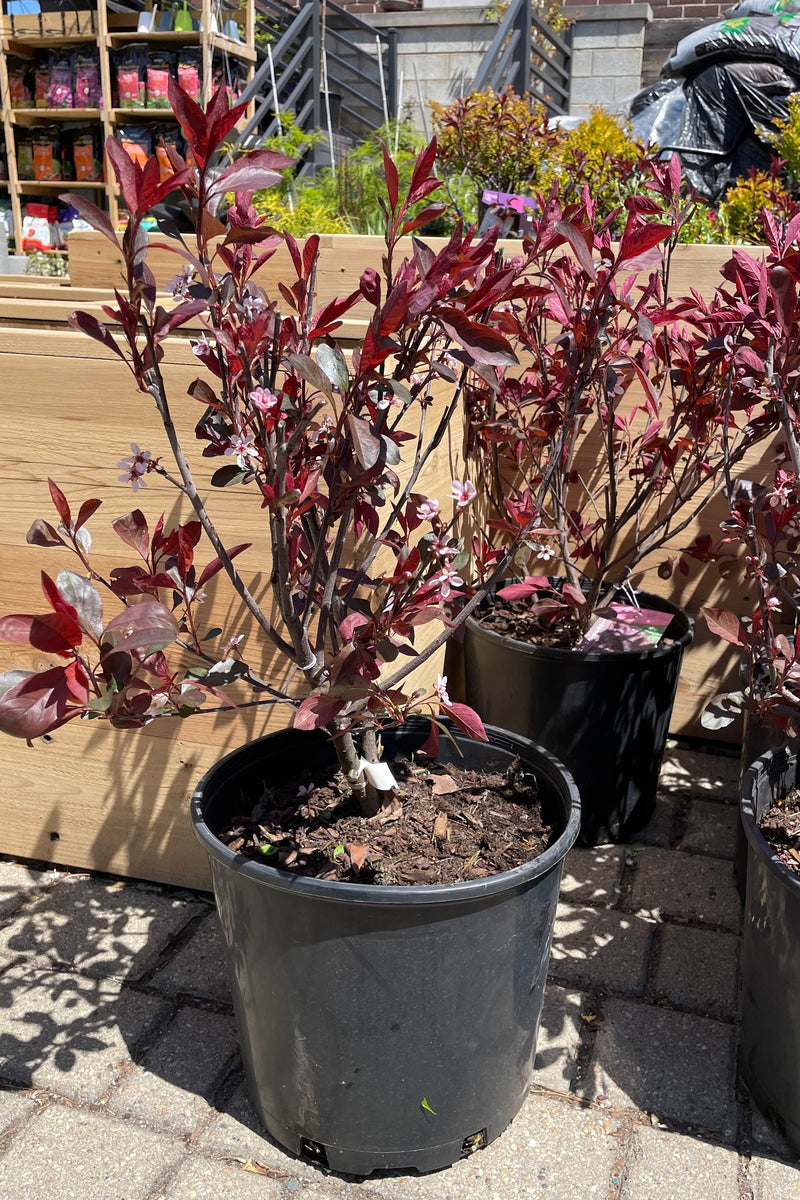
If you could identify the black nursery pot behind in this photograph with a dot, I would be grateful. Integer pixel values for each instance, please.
(770, 1031)
(605, 715)
(384, 1027)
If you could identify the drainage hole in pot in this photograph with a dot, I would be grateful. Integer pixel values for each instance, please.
(472, 1143)
(315, 1151)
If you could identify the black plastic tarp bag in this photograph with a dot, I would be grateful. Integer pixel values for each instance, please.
(774, 39)
(719, 136)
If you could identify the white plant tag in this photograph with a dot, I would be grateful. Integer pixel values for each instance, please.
(380, 775)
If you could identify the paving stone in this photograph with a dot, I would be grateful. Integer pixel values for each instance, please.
(667, 1166)
(557, 1044)
(658, 830)
(68, 1154)
(98, 928)
(597, 948)
(14, 1106)
(701, 776)
(200, 1179)
(698, 970)
(68, 1034)
(551, 1151)
(774, 1180)
(592, 876)
(174, 1086)
(676, 1066)
(17, 883)
(198, 969)
(674, 884)
(711, 829)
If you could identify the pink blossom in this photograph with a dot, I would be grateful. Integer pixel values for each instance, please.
(135, 467)
(446, 580)
(463, 493)
(265, 400)
(440, 687)
(428, 509)
(202, 346)
(242, 446)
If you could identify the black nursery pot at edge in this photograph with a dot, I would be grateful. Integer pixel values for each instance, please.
(360, 1009)
(770, 965)
(604, 714)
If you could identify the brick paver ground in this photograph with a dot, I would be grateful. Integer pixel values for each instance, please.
(120, 1077)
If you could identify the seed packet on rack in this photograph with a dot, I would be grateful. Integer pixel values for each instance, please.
(624, 627)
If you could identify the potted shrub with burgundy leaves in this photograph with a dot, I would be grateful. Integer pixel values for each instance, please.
(764, 527)
(611, 438)
(387, 948)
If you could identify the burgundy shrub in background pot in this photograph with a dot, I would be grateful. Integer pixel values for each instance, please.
(612, 435)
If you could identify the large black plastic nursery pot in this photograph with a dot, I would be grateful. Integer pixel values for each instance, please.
(384, 1027)
(604, 714)
(770, 965)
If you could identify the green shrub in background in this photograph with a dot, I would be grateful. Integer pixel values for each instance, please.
(505, 143)
(347, 199)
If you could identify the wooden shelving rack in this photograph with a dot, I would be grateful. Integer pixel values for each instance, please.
(41, 35)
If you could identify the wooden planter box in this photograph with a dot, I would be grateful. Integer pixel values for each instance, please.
(113, 801)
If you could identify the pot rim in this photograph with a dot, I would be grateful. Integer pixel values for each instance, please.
(753, 775)
(561, 654)
(397, 894)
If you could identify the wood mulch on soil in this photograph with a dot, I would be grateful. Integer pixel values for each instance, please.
(445, 825)
(513, 619)
(780, 826)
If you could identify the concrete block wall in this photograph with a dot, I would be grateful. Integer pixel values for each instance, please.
(607, 53)
(439, 49)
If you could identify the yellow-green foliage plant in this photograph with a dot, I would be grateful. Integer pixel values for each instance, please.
(786, 142)
(741, 210)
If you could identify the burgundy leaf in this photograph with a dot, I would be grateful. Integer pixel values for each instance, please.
(581, 243)
(430, 746)
(251, 172)
(132, 528)
(87, 510)
(317, 710)
(482, 343)
(573, 595)
(521, 591)
(201, 391)
(36, 704)
(466, 719)
(41, 533)
(85, 323)
(421, 182)
(91, 213)
(53, 633)
(60, 502)
(191, 118)
(366, 447)
(639, 241)
(370, 286)
(215, 565)
(146, 626)
(84, 599)
(127, 172)
(726, 625)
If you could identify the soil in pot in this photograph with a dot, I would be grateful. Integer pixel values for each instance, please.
(445, 825)
(780, 828)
